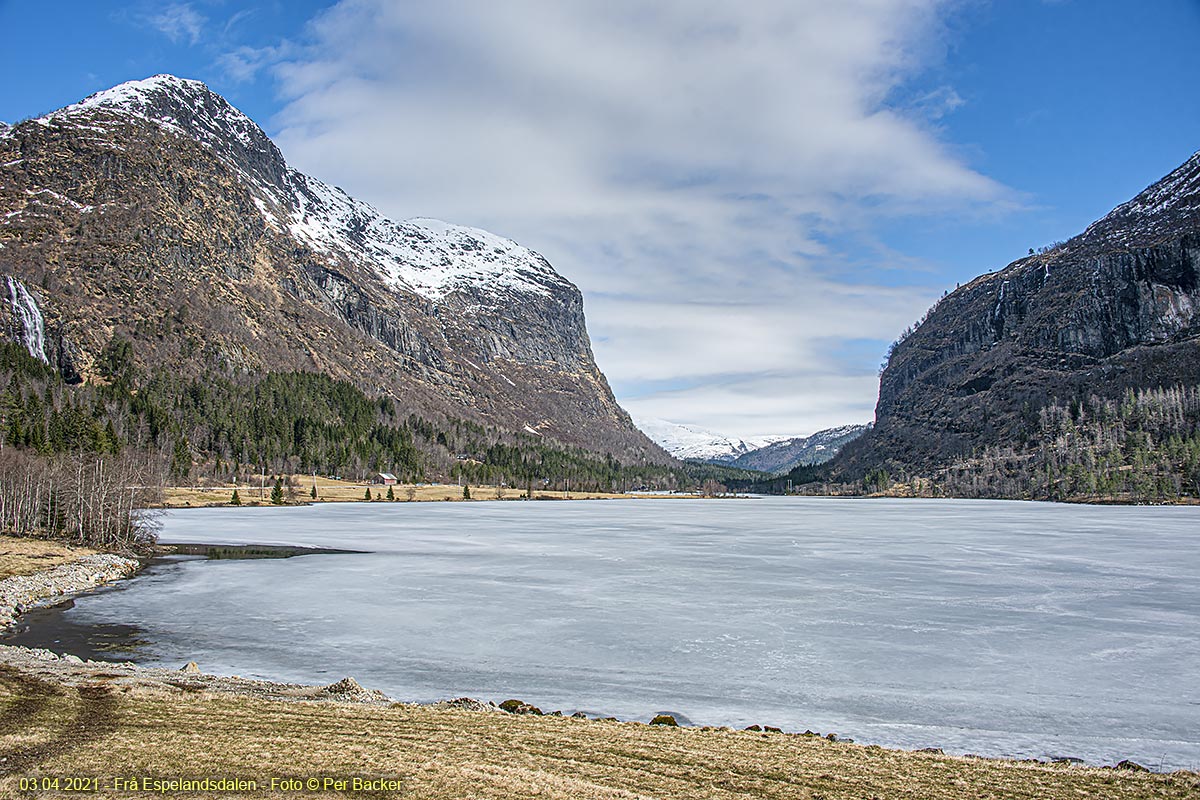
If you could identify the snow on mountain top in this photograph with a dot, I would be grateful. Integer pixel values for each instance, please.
(135, 94)
(687, 441)
(425, 256)
(177, 104)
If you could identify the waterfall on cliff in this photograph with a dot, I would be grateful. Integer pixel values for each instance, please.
(33, 326)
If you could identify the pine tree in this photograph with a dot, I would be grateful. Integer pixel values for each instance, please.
(235, 500)
(367, 494)
(277, 493)
(391, 495)
(313, 493)
(466, 492)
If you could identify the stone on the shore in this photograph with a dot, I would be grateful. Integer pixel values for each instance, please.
(20, 593)
(772, 729)
(579, 715)
(467, 704)
(190, 667)
(72, 659)
(756, 728)
(350, 690)
(1132, 766)
(665, 719)
(520, 707)
(937, 751)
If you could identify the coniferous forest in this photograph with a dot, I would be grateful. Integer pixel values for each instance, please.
(130, 428)
(1141, 448)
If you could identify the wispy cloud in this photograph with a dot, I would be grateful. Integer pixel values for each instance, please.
(178, 22)
(710, 174)
(244, 63)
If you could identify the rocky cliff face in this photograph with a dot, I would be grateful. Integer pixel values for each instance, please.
(157, 212)
(1115, 308)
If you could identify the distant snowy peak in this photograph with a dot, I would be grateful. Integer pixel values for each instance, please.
(785, 454)
(686, 441)
(427, 257)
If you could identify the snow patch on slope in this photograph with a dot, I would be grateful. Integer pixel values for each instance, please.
(1155, 210)
(425, 256)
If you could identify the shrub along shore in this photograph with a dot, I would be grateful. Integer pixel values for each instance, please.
(61, 717)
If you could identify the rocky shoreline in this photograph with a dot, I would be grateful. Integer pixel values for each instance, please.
(72, 671)
(20, 593)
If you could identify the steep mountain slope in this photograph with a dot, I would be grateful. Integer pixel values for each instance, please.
(158, 213)
(697, 444)
(781, 456)
(1114, 309)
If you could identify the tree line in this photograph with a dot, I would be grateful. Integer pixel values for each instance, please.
(1143, 446)
(154, 427)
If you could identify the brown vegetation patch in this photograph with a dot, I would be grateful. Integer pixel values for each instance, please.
(335, 491)
(449, 753)
(21, 555)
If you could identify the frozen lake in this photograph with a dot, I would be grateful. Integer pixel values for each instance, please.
(998, 628)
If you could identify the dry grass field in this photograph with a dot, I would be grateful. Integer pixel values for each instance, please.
(25, 556)
(335, 491)
(103, 730)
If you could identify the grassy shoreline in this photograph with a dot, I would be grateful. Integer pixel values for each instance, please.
(106, 723)
(330, 490)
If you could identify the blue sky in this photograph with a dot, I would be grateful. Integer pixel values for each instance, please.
(754, 201)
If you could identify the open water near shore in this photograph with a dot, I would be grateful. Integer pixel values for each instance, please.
(998, 628)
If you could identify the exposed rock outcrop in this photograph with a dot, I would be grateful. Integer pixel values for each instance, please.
(158, 212)
(1113, 309)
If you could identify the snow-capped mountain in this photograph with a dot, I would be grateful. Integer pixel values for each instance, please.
(776, 454)
(786, 454)
(424, 256)
(690, 442)
(157, 212)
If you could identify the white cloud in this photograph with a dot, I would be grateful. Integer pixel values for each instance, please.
(179, 22)
(709, 173)
(243, 63)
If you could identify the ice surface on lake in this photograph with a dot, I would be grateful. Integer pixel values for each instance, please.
(999, 628)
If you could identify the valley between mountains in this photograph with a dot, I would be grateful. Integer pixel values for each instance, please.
(176, 289)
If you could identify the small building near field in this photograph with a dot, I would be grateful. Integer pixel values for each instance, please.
(385, 479)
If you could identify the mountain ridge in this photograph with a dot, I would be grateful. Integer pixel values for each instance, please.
(781, 456)
(772, 454)
(691, 442)
(157, 213)
(1113, 310)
